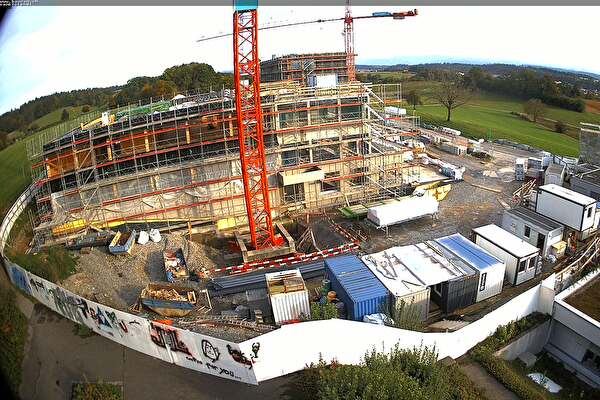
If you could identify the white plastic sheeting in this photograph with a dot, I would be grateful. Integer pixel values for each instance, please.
(405, 210)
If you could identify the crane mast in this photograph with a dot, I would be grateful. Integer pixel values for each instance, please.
(250, 127)
(349, 42)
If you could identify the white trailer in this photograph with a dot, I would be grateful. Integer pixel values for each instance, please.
(520, 257)
(540, 231)
(450, 131)
(570, 208)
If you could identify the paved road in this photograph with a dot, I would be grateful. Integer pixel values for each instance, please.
(486, 382)
(56, 357)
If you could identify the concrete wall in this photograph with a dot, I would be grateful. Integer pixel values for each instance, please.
(533, 342)
(274, 354)
(292, 347)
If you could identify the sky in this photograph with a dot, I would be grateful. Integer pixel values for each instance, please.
(48, 49)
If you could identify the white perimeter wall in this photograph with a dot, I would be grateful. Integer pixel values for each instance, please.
(274, 354)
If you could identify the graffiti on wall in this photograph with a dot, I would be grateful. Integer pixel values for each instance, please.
(19, 278)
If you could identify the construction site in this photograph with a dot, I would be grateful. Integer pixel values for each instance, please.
(234, 212)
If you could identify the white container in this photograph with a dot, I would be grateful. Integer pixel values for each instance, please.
(450, 131)
(534, 228)
(520, 257)
(570, 208)
(396, 111)
(289, 302)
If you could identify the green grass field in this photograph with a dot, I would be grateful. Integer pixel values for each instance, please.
(53, 118)
(15, 172)
(491, 111)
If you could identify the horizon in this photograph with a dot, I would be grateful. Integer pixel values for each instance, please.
(97, 57)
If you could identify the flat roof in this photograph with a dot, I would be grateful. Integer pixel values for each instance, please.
(475, 256)
(534, 219)
(567, 194)
(506, 240)
(409, 269)
(587, 299)
(555, 168)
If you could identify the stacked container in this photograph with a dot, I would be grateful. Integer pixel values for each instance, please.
(288, 296)
(356, 286)
(520, 169)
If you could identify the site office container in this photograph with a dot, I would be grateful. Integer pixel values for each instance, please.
(570, 208)
(356, 286)
(520, 257)
(490, 269)
(456, 293)
(288, 296)
(534, 228)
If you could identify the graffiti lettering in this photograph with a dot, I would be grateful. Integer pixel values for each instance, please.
(255, 349)
(67, 305)
(220, 370)
(19, 278)
(189, 358)
(210, 351)
(239, 357)
(166, 337)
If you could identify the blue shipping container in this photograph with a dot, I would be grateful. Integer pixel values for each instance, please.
(356, 286)
(382, 14)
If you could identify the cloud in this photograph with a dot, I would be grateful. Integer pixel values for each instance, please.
(49, 49)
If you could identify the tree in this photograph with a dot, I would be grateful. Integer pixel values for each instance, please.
(452, 95)
(414, 99)
(560, 127)
(534, 108)
(65, 115)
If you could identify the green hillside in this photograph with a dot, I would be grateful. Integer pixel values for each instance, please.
(492, 111)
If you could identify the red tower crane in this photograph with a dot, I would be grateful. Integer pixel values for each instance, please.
(250, 126)
(349, 42)
(249, 109)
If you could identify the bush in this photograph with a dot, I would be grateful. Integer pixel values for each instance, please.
(323, 311)
(54, 265)
(96, 391)
(85, 109)
(13, 332)
(560, 127)
(400, 375)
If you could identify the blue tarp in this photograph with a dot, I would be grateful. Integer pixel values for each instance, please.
(470, 252)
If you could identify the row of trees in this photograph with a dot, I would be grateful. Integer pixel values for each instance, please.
(527, 84)
(172, 81)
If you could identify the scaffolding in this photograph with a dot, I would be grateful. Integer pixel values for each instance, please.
(176, 163)
(298, 67)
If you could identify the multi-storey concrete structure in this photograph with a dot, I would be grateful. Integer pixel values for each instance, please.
(176, 163)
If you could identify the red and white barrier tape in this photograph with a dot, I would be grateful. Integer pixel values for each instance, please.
(290, 260)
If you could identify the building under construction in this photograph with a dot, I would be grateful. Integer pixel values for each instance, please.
(301, 67)
(175, 163)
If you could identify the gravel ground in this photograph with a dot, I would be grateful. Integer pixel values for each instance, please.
(118, 280)
(465, 207)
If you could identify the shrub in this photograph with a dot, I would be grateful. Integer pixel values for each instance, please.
(400, 374)
(323, 311)
(96, 391)
(85, 109)
(560, 127)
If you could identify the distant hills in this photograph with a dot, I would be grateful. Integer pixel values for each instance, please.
(565, 75)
